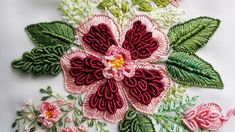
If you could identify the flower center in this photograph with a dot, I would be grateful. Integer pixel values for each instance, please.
(117, 62)
(49, 114)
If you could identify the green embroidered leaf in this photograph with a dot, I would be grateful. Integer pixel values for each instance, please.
(124, 6)
(145, 6)
(134, 2)
(41, 60)
(179, 105)
(193, 34)
(115, 11)
(136, 122)
(52, 33)
(105, 4)
(189, 69)
(161, 3)
(175, 92)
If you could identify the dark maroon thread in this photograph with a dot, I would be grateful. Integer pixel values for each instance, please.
(107, 97)
(139, 42)
(99, 38)
(86, 71)
(145, 85)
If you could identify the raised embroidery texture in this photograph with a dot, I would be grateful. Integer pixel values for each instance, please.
(86, 70)
(206, 116)
(55, 114)
(145, 85)
(105, 98)
(100, 38)
(41, 61)
(139, 42)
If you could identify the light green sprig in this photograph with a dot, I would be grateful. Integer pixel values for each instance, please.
(76, 11)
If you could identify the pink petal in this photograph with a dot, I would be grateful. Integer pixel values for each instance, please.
(149, 109)
(93, 21)
(70, 86)
(191, 125)
(190, 114)
(215, 108)
(96, 114)
(156, 33)
(175, 3)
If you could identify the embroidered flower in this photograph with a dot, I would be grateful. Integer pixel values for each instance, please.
(206, 116)
(115, 67)
(81, 128)
(49, 114)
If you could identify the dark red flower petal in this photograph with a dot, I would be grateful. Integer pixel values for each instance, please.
(87, 70)
(149, 85)
(107, 97)
(139, 41)
(99, 38)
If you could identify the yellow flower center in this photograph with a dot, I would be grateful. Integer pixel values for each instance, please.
(49, 114)
(117, 62)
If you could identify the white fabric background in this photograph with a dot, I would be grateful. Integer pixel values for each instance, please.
(16, 87)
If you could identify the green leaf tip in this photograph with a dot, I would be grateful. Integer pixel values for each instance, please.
(189, 69)
(51, 33)
(161, 3)
(136, 122)
(193, 34)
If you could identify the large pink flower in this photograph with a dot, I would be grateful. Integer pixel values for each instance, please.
(114, 67)
(49, 114)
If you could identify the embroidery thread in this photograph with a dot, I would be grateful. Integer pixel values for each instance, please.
(55, 114)
(114, 68)
(122, 65)
(207, 116)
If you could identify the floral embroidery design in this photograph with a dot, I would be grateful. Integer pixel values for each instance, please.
(115, 67)
(206, 116)
(49, 114)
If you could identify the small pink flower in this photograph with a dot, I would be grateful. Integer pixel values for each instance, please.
(71, 105)
(206, 116)
(68, 119)
(71, 129)
(50, 114)
(82, 128)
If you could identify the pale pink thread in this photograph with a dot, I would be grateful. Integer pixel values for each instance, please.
(206, 116)
(140, 63)
(175, 3)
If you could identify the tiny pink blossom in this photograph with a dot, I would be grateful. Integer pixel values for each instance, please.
(71, 105)
(49, 114)
(68, 119)
(70, 129)
(82, 128)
